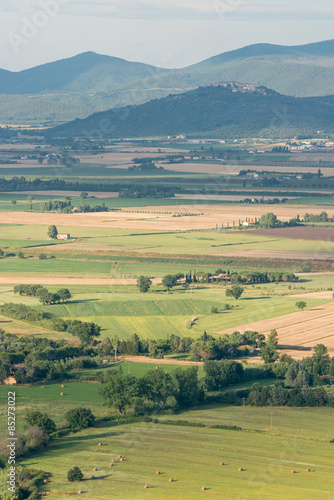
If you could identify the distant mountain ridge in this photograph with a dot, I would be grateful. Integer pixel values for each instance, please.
(89, 82)
(217, 111)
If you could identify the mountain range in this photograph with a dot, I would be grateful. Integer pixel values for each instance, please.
(215, 111)
(81, 85)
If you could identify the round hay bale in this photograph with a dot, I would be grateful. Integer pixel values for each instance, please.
(203, 488)
(45, 480)
(100, 444)
(79, 492)
(157, 472)
(62, 394)
(121, 459)
(221, 463)
(113, 461)
(111, 464)
(95, 469)
(62, 385)
(42, 386)
(119, 456)
(171, 480)
(157, 367)
(293, 471)
(308, 470)
(240, 469)
(146, 486)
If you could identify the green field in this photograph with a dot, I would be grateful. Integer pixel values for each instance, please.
(171, 243)
(192, 457)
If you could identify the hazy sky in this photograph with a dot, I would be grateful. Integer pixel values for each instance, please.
(172, 33)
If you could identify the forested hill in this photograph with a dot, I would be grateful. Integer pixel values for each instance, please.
(213, 111)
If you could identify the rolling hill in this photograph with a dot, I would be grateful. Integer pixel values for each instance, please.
(212, 111)
(79, 86)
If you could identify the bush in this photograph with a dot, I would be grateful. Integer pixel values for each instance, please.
(42, 256)
(75, 474)
(42, 420)
(80, 418)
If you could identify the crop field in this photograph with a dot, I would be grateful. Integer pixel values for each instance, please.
(163, 220)
(192, 457)
(211, 243)
(306, 328)
(158, 314)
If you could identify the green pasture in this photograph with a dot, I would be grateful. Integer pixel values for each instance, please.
(192, 456)
(158, 314)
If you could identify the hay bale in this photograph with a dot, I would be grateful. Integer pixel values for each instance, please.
(308, 470)
(171, 480)
(100, 444)
(203, 488)
(240, 469)
(293, 471)
(113, 461)
(120, 456)
(121, 459)
(62, 385)
(221, 463)
(95, 469)
(157, 367)
(111, 464)
(146, 486)
(62, 394)
(79, 492)
(42, 386)
(157, 472)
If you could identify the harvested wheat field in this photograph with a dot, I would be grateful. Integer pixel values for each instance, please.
(149, 218)
(303, 328)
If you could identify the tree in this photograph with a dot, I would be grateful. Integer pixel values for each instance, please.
(36, 438)
(40, 419)
(236, 291)
(222, 373)
(189, 388)
(321, 358)
(83, 195)
(52, 232)
(269, 220)
(13, 202)
(75, 474)
(120, 391)
(144, 283)
(85, 331)
(169, 281)
(301, 305)
(64, 294)
(29, 200)
(80, 418)
(269, 350)
(157, 386)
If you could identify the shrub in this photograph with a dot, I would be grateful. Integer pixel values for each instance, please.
(42, 256)
(80, 418)
(75, 474)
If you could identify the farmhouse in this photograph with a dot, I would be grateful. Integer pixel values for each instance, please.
(247, 224)
(63, 236)
(9, 381)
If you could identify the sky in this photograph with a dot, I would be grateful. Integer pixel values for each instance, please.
(170, 34)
